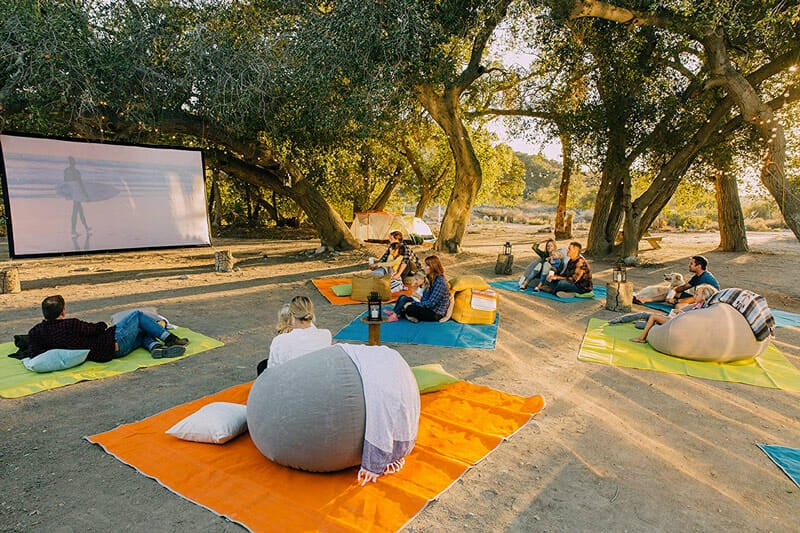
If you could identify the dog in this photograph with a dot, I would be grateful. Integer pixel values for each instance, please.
(661, 292)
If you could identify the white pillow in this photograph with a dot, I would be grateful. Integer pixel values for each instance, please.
(55, 359)
(215, 423)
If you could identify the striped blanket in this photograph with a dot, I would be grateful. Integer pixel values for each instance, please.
(753, 308)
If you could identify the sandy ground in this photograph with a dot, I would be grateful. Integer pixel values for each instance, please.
(614, 450)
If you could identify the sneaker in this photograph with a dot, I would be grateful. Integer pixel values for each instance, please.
(536, 289)
(521, 282)
(174, 340)
(412, 319)
(167, 352)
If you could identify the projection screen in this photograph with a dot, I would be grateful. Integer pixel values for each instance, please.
(81, 197)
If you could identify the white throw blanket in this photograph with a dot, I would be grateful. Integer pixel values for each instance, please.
(391, 398)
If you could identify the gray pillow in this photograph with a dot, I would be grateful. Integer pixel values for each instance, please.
(309, 413)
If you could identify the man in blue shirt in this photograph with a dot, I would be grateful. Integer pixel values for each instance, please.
(697, 266)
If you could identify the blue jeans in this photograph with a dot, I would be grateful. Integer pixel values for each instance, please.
(563, 285)
(135, 330)
(402, 300)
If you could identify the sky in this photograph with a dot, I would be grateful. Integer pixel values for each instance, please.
(550, 150)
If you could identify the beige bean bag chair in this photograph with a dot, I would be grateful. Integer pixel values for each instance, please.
(717, 333)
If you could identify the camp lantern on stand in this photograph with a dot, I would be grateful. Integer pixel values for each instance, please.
(618, 274)
(374, 307)
(504, 260)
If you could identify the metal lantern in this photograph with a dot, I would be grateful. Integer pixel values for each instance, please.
(618, 274)
(507, 248)
(374, 307)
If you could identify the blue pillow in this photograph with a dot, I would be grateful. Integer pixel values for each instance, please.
(55, 359)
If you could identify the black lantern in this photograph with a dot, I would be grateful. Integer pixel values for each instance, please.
(507, 248)
(618, 274)
(374, 307)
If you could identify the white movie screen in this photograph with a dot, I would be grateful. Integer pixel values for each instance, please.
(80, 197)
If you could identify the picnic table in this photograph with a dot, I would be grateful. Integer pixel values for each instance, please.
(653, 241)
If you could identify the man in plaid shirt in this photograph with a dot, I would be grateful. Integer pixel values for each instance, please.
(104, 343)
(410, 264)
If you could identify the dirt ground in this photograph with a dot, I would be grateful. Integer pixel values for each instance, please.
(614, 450)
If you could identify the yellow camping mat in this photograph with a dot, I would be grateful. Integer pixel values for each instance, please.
(611, 345)
(17, 381)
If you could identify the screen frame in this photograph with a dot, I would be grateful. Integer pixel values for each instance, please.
(7, 200)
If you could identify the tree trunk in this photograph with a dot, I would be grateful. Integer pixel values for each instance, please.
(444, 109)
(608, 206)
(270, 173)
(430, 189)
(732, 234)
(561, 229)
(755, 111)
(215, 200)
(332, 229)
(388, 188)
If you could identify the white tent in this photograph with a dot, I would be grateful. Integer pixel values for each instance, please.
(376, 225)
(417, 226)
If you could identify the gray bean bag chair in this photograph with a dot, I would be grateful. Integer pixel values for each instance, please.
(717, 333)
(309, 413)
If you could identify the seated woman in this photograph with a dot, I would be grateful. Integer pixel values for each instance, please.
(297, 334)
(393, 261)
(435, 298)
(535, 268)
(701, 294)
(575, 278)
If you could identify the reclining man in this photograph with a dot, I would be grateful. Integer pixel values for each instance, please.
(104, 343)
(697, 266)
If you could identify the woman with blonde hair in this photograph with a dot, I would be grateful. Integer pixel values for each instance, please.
(297, 334)
(701, 294)
(435, 298)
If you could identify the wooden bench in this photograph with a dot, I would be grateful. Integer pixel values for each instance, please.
(653, 241)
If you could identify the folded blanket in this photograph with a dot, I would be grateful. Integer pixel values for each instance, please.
(391, 398)
(753, 308)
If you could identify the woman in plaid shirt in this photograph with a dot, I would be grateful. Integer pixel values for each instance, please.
(435, 298)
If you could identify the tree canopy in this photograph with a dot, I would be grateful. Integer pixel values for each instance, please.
(345, 105)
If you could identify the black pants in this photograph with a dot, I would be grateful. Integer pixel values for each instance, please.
(423, 314)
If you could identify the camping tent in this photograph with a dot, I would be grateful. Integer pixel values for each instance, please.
(376, 226)
(417, 226)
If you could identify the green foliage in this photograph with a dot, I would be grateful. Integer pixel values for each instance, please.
(581, 195)
(539, 172)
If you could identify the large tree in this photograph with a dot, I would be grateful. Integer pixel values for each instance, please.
(211, 76)
(396, 54)
(764, 36)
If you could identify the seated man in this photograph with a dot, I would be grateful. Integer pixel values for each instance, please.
(410, 264)
(697, 266)
(576, 277)
(104, 343)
